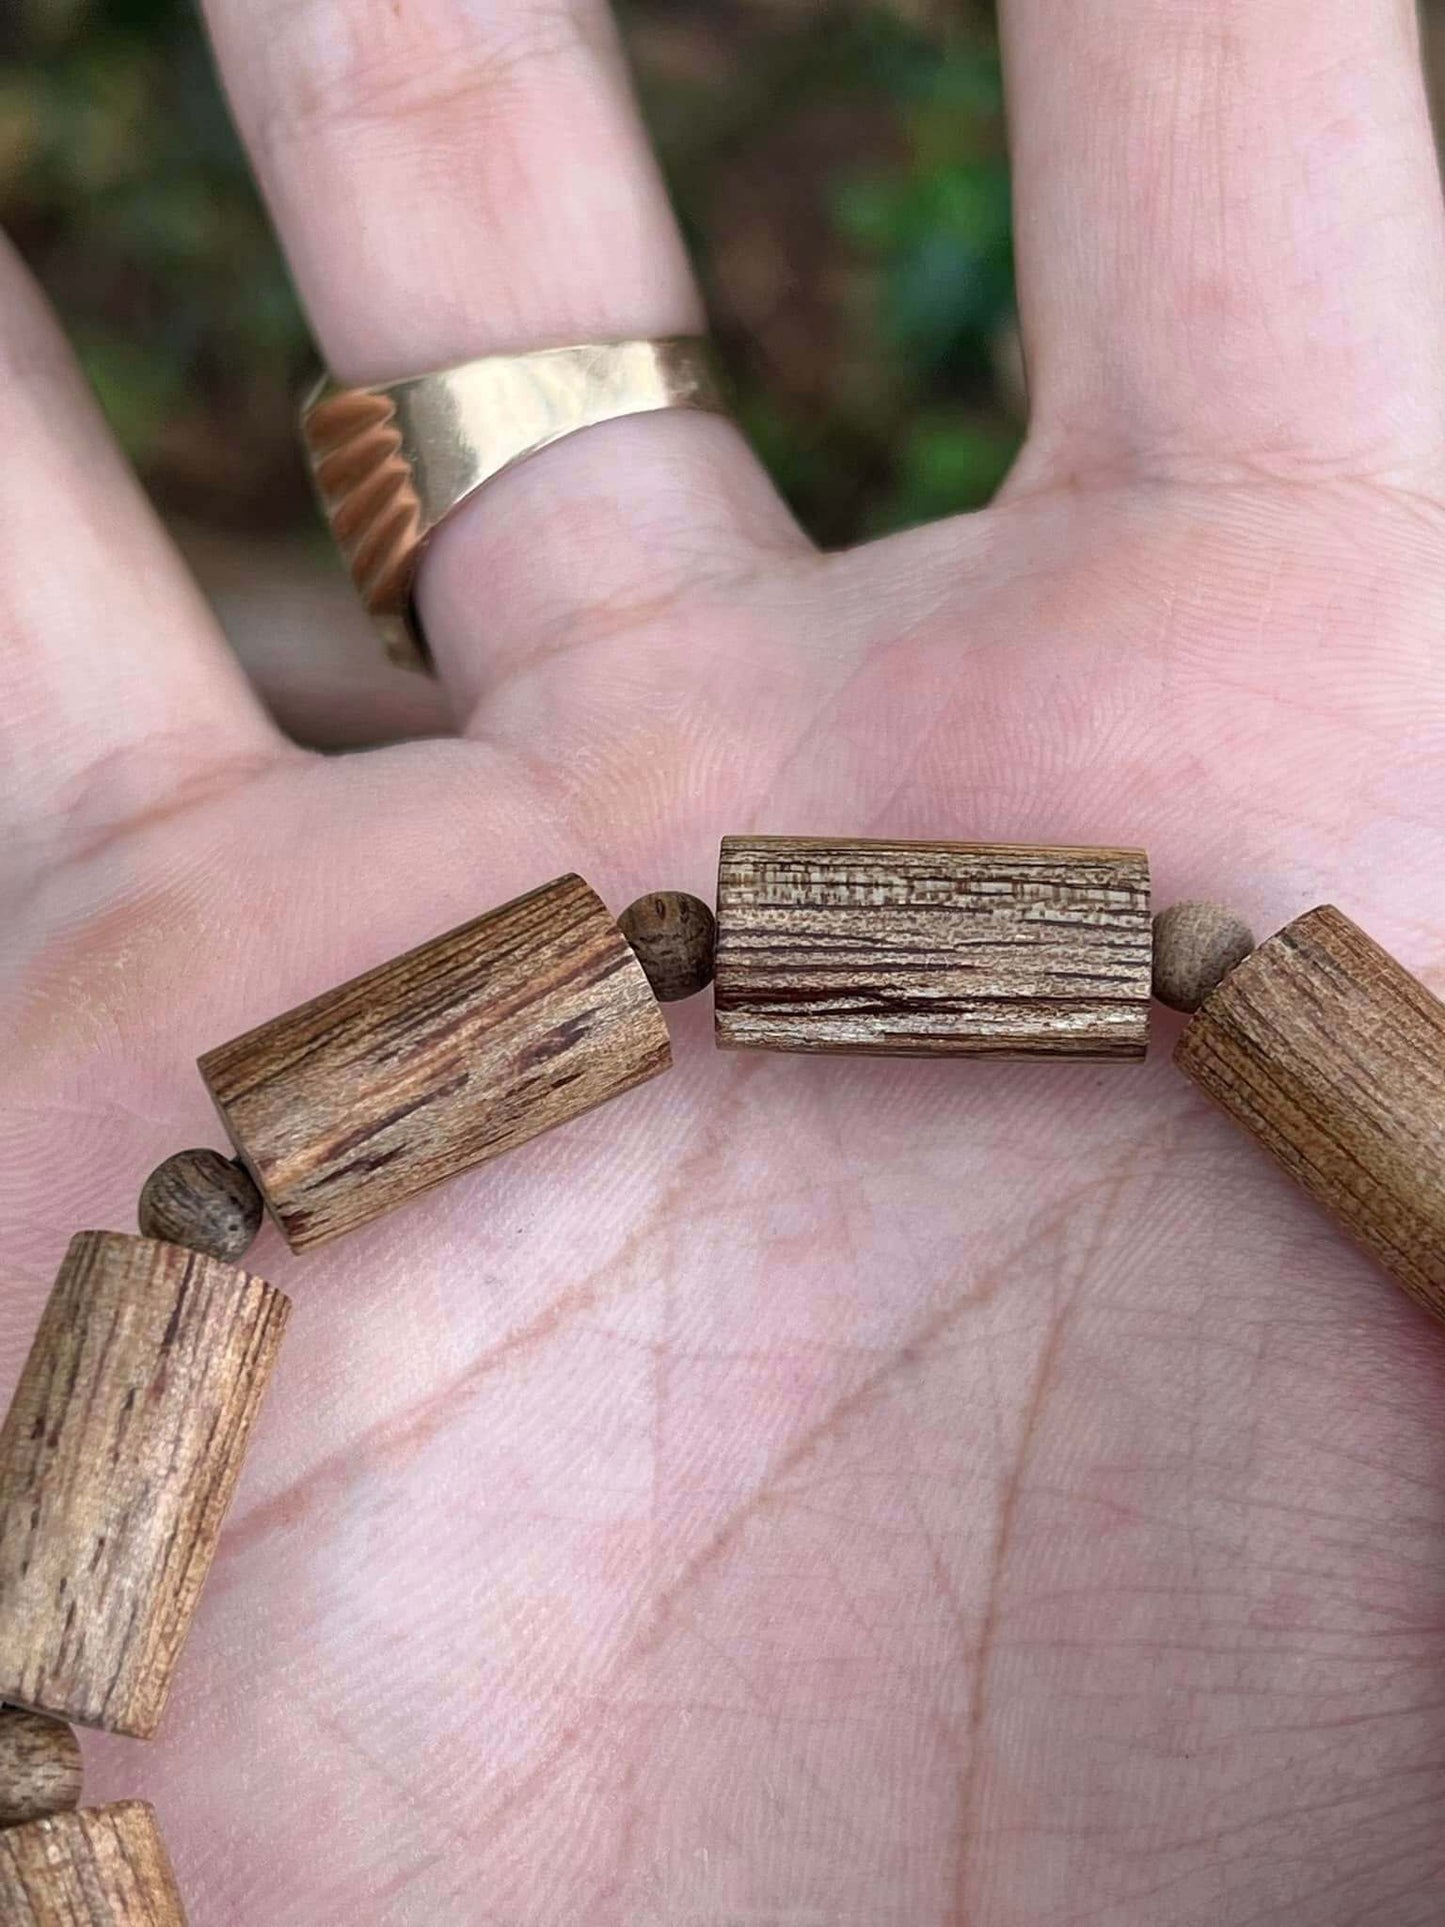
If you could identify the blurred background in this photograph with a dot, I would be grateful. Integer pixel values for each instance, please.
(839, 168)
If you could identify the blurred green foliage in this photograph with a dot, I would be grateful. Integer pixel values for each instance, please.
(838, 168)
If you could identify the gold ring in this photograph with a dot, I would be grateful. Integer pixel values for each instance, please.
(391, 462)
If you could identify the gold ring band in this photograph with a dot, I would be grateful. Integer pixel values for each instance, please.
(391, 462)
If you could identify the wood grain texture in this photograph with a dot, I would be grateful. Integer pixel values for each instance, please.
(452, 1054)
(204, 1201)
(923, 949)
(118, 1458)
(1332, 1056)
(675, 937)
(40, 1767)
(101, 1867)
(1196, 945)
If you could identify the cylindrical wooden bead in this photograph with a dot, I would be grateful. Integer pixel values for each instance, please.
(932, 948)
(101, 1867)
(1332, 1057)
(204, 1201)
(675, 937)
(40, 1768)
(450, 1055)
(118, 1458)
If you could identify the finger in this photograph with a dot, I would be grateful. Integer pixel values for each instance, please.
(452, 179)
(117, 691)
(1229, 236)
(303, 639)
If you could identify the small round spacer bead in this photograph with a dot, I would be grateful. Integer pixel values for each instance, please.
(203, 1201)
(675, 936)
(39, 1766)
(1196, 945)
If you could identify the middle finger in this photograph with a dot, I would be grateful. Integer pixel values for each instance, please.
(457, 178)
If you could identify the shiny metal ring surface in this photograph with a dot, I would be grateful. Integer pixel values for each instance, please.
(392, 462)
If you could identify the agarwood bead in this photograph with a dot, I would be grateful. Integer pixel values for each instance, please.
(40, 1769)
(118, 1458)
(1196, 945)
(204, 1201)
(932, 948)
(101, 1867)
(452, 1054)
(675, 936)
(1332, 1056)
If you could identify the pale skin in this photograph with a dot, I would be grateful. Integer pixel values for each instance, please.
(912, 1495)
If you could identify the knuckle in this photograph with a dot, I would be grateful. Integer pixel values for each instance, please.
(427, 70)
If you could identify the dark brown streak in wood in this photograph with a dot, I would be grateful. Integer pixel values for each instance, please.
(942, 948)
(100, 1867)
(1333, 1058)
(117, 1461)
(462, 1049)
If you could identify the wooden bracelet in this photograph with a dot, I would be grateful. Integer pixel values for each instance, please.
(126, 1434)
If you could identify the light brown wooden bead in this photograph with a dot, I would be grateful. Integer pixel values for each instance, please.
(452, 1054)
(101, 1867)
(932, 948)
(675, 936)
(1196, 945)
(118, 1458)
(40, 1769)
(204, 1201)
(1332, 1056)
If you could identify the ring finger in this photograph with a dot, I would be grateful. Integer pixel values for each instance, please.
(463, 177)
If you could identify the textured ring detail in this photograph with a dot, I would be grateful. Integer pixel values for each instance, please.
(392, 461)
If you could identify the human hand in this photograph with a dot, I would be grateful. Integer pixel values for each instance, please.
(805, 1490)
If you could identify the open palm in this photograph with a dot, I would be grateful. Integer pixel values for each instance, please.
(806, 1490)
